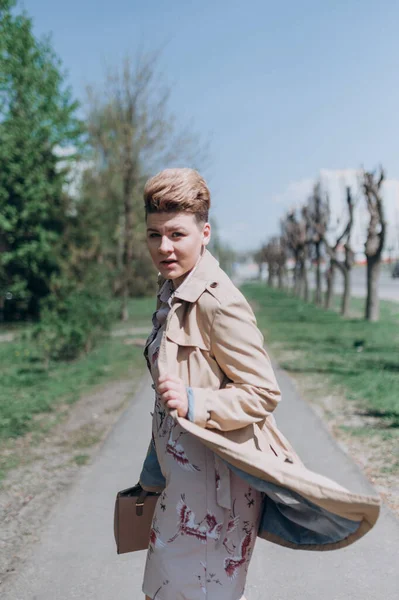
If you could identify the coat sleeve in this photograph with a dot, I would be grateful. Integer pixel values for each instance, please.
(251, 392)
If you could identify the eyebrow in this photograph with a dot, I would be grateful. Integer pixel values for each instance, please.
(175, 228)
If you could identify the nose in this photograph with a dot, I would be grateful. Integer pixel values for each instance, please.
(166, 245)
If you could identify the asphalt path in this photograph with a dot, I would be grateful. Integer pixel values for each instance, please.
(388, 288)
(76, 555)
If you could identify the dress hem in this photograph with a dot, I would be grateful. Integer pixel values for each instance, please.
(242, 597)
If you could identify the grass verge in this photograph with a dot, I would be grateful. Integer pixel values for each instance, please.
(29, 389)
(348, 369)
(359, 356)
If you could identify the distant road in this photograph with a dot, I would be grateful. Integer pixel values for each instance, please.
(388, 287)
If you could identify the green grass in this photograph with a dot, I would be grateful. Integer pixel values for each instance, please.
(82, 459)
(29, 389)
(387, 309)
(323, 342)
(140, 312)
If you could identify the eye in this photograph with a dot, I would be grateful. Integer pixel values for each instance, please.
(152, 235)
(178, 234)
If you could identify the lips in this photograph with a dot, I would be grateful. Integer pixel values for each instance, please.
(169, 262)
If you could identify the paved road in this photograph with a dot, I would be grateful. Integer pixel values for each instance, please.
(388, 288)
(76, 557)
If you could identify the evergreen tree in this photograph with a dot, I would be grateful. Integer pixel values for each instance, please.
(37, 120)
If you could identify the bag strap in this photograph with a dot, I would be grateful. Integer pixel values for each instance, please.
(140, 503)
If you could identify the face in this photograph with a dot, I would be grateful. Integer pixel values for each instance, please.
(175, 241)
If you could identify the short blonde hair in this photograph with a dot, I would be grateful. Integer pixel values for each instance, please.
(175, 190)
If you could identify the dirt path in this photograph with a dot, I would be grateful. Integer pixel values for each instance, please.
(48, 468)
(7, 337)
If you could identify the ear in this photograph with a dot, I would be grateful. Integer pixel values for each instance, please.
(206, 234)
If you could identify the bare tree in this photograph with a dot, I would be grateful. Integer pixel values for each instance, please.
(376, 232)
(330, 279)
(318, 215)
(260, 259)
(275, 254)
(270, 258)
(281, 260)
(133, 133)
(345, 265)
(295, 232)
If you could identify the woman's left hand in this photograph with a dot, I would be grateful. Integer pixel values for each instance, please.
(173, 393)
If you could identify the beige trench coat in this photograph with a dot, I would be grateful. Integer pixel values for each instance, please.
(212, 342)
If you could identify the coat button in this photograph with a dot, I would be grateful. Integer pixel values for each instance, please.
(214, 284)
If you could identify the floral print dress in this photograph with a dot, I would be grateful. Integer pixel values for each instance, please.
(206, 520)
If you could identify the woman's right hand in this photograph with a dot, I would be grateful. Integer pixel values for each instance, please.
(173, 393)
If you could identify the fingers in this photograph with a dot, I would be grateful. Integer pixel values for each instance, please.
(170, 395)
(169, 385)
(174, 403)
(179, 405)
(173, 394)
(166, 377)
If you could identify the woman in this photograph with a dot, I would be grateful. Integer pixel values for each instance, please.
(215, 451)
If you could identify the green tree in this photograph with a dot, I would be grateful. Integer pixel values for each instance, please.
(222, 250)
(101, 218)
(37, 120)
(133, 133)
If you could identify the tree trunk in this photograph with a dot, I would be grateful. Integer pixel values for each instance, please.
(120, 244)
(280, 275)
(304, 281)
(128, 241)
(270, 277)
(124, 314)
(297, 277)
(317, 296)
(291, 279)
(330, 286)
(260, 271)
(346, 296)
(372, 302)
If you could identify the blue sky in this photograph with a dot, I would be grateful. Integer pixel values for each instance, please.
(281, 89)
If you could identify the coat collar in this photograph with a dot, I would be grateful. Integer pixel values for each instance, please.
(206, 271)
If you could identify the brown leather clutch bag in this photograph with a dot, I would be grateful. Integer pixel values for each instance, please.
(134, 510)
